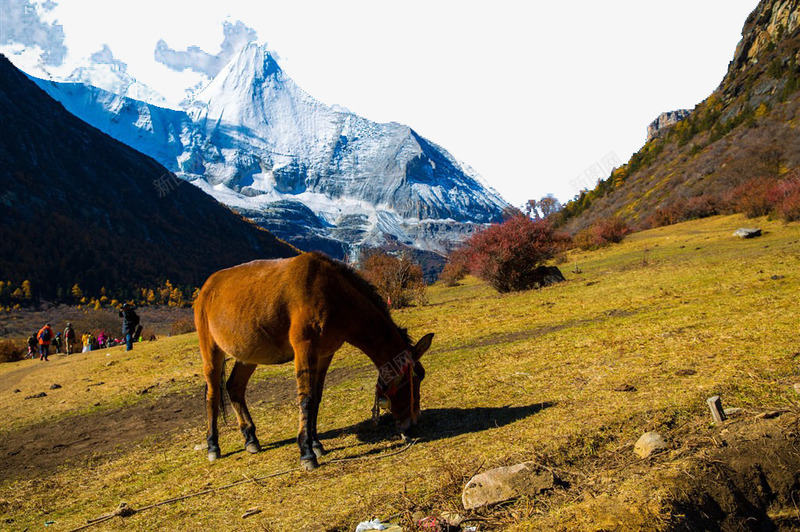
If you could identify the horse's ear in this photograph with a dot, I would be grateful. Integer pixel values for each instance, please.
(423, 345)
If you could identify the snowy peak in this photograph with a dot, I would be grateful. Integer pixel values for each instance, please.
(114, 78)
(257, 142)
(245, 74)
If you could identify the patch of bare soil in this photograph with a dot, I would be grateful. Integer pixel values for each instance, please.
(39, 449)
(751, 481)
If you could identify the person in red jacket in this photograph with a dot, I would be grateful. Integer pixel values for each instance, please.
(45, 336)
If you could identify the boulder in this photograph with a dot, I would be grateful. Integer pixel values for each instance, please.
(747, 232)
(648, 444)
(506, 483)
(548, 275)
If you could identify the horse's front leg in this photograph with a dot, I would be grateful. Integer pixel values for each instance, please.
(322, 370)
(305, 365)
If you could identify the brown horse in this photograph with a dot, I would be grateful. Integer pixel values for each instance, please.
(303, 308)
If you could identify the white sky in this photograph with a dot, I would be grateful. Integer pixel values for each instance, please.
(530, 94)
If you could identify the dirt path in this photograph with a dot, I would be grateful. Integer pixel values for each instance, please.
(39, 449)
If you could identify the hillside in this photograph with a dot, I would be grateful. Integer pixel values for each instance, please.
(80, 207)
(568, 376)
(746, 129)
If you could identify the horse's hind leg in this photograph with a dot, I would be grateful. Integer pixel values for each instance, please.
(213, 369)
(237, 383)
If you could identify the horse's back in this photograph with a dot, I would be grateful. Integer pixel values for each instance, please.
(248, 309)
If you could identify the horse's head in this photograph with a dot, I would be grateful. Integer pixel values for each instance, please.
(398, 384)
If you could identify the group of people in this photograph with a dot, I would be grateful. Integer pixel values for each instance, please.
(39, 343)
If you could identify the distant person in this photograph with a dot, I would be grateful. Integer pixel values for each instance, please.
(57, 343)
(69, 339)
(102, 340)
(87, 339)
(130, 322)
(45, 337)
(33, 346)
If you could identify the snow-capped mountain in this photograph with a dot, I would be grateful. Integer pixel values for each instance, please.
(316, 175)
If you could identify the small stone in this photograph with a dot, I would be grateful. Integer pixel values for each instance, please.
(747, 232)
(685, 372)
(772, 414)
(648, 444)
(110, 363)
(18, 391)
(201, 447)
(506, 483)
(796, 387)
(55, 386)
(625, 388)
(778, 277)
(730, 412)
(452, 518)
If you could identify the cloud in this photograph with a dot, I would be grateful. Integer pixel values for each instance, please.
(106, 57)
(20, 23)
(235, 37)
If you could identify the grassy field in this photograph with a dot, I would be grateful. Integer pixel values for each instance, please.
(568, 376)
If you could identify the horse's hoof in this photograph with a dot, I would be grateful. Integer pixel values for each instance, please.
(319, 451)
(309, 464)
(213, 456)
(253, 447)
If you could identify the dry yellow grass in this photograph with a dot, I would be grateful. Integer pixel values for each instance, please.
(512, 377)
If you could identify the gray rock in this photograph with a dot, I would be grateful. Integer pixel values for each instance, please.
(648, 444)
(506, 483)
(747, 232)
(55, 386)
(665, 121)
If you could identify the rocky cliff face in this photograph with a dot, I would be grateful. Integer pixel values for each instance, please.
(665, 120)
(768, 24)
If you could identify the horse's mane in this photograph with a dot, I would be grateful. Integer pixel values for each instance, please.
(365, 288)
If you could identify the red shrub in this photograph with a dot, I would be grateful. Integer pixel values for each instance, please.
(752, 197)
(398, 280)
(602, 233)
(506, 255)
(785, 197)
(682, 211)
(453, 272)
(700, 207)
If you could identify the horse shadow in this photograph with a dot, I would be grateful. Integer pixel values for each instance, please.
(435, 424)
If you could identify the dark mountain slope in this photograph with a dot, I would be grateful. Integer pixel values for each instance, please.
(746, 129)
(77, 206)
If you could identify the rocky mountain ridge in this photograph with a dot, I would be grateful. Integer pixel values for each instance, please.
(259, 144)
(665, 120)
